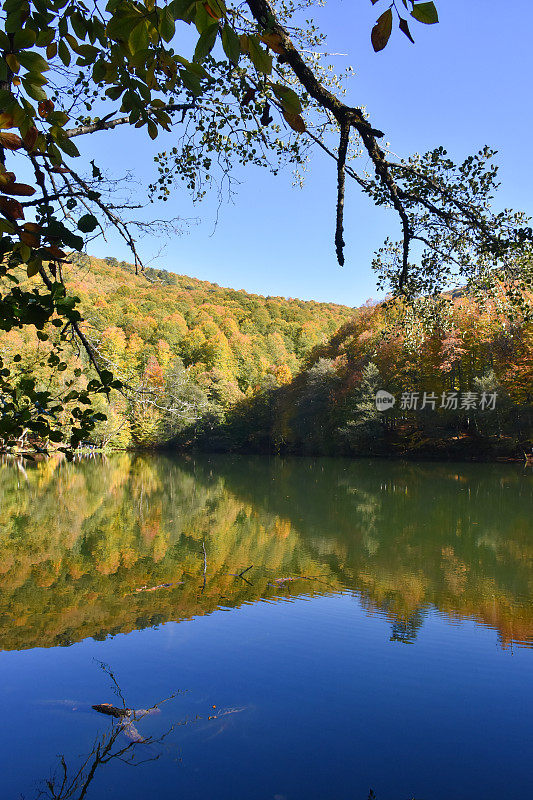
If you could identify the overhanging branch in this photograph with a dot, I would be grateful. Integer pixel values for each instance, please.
(347, 117)
(107, 124)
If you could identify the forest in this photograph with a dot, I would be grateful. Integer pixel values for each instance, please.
(183, 349)
(204, 367)
(462, 387)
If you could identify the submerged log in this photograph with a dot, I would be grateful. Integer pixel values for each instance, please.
(112, 711)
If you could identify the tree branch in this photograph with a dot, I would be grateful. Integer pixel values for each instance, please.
(341, 182)
(107, 124)
(345, 116)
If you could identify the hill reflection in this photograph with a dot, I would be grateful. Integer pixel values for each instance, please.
(83, 547)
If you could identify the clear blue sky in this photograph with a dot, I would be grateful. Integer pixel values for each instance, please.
(464, 84)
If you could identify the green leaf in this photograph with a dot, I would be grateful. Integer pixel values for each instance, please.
(87, 223)
(67, 146)
(11, 5)
(197, 69)
(45, 37)
(57, 118)
(79, 25)
(120, 27)
(138, 38)
(24, 38)
(33, 267)
(205, 43)
(114, 92)
(231, 44)
(13, 22)
(289, 99)
(98, 71)
(88, 52)
(382, 30)
(167, 26)
(261, 58)
(33, 62)
(425, 12)
(63, 52)
(404, 27)
(36, 78)
(34, 91)
(218, 7)
(191, 82)
(202, 19)
(183, 9)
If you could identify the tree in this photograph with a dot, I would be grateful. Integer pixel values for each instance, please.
(253, 92)
(365, 426)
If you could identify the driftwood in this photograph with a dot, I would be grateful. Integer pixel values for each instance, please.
(283, 581)
(112, 711)
(127, 717)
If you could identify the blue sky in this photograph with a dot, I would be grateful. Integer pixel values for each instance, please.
(463, 84)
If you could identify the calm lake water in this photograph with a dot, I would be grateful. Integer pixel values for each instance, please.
(381, 639)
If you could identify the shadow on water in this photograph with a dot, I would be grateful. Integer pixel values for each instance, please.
(117, 544)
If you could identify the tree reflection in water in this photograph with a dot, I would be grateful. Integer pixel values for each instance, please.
(128, 542)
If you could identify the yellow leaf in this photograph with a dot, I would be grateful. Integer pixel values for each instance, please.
(13, 62)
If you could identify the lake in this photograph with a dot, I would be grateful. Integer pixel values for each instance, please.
(298, 629)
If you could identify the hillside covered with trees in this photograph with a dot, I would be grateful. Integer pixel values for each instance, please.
(462, 387)
(204, 367)
(184, 349)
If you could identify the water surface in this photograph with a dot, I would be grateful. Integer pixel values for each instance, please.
(380, 639)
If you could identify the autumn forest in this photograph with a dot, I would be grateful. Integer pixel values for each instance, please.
(203, 367)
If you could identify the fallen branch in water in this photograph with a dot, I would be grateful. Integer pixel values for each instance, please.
(283, 581)
(160, 586)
